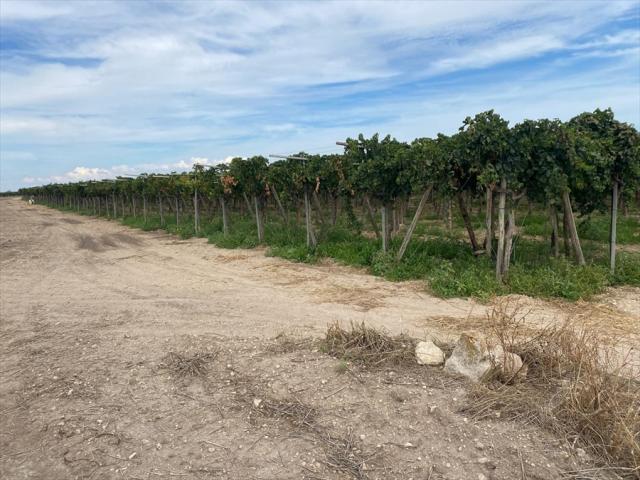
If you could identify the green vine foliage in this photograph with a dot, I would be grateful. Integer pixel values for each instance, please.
(608, 151)
(543, 157)
(379, 167)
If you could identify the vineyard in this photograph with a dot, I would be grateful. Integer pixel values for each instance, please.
(543, 208)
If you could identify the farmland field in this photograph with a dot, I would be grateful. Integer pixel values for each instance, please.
(96, 318)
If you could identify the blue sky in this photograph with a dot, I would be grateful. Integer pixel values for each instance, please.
(96, 89)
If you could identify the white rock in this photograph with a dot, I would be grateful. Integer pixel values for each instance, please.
(513, 367)
(474, 360)
(428, 353)
(510, 366)
(469, 358)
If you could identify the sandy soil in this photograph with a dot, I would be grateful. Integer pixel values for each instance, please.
(90, 310)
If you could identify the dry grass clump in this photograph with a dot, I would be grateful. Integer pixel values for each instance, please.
(575, 386)
(293, 410)
(343, 455)
(187, 365)
(368, 346)
(285, 343)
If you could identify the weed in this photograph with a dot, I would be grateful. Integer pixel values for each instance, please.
(368, 346)
(183, 365)
(574, 387)
(342, 367)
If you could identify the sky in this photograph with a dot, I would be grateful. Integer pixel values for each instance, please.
(98, 89)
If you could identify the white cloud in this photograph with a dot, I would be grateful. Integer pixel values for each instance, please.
(29, 10)
(624, 37)
(76, 175)
(280, 127)
(31, 125)
(81, 173)
(491, 53)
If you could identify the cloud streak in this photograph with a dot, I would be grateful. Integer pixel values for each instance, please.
(80, 173)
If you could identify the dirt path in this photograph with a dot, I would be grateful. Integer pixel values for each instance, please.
(90, 310)
(112, 271)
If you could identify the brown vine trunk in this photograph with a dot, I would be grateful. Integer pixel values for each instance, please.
(467, 222)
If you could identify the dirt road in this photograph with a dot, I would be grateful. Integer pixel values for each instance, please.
(77, 267)
(92, 311)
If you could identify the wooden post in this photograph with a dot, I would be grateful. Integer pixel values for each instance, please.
(488, 240)
(371, 217)
(334, 209)
(573, 232)
(316, 202)
(501, 206)
(565, 233)
(414, 222)
(613, 227)
(385, 227)
(115, 211)
(449, 215)
(258, 216)
(196, 212)
(144, 208)
(160, 211)
(555, 239)
(246, 200)
(276, 197)
(394, 218)
(225, 220)
(511, 227)
(177, 211)
(311, 239)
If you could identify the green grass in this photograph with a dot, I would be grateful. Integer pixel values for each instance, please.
(596, 228)
(443, 260)
(536, 225)
(447, 264)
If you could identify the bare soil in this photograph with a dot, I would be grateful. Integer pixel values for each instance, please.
(136, 355)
